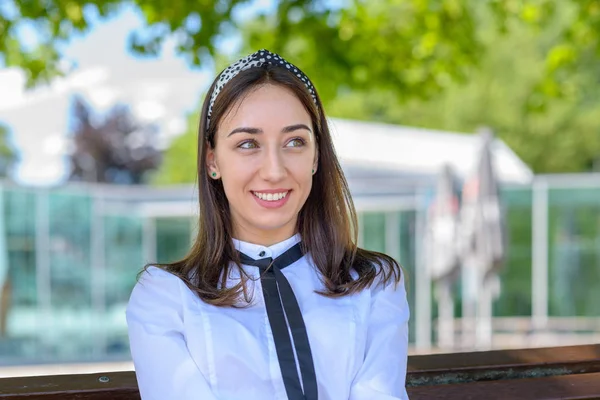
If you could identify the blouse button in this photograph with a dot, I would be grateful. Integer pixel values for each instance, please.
(261, 254)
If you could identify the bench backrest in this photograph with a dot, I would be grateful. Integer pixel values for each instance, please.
(549, 373)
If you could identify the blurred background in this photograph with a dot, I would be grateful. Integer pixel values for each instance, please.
(469, 132)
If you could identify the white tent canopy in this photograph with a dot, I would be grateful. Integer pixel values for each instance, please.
(403, 156)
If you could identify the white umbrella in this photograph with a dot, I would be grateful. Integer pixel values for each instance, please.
(482, 243)
(441, 252)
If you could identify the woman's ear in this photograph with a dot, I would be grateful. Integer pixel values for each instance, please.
(211, 162)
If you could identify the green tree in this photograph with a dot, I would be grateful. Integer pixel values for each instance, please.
(505, 91)
(180, 159)
(551, 134)
(416, 46)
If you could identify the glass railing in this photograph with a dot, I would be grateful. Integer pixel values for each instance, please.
(72, 258)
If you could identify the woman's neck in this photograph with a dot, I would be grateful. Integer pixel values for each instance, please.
(265, 238)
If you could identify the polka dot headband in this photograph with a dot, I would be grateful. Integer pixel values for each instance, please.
(256, 60)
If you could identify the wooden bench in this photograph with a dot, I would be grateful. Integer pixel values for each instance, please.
(548, 373)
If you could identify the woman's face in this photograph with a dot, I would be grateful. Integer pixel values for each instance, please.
(265, 152)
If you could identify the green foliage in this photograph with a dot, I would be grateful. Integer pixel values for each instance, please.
(416, 47)
(524, 67)
(55, 21)
(180, 159)
(551, 134)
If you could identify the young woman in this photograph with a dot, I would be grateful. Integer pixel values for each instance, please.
(274, 300)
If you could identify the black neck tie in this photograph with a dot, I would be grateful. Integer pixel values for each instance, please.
(280, 303)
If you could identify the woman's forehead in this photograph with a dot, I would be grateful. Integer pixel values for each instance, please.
(266, 106)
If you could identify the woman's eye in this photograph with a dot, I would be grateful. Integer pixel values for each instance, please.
(250, 144)
(296, 142)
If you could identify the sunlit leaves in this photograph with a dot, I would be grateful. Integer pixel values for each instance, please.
(550, 122)
(391, 52)
(179, 164)
(415, 46)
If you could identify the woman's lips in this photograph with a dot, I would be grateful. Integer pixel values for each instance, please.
(271, 198)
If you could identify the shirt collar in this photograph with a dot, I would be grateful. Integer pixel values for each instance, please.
(257, 251)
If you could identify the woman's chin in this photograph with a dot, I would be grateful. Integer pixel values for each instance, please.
(275, 226)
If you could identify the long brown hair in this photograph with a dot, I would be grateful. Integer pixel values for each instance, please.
(327, 222)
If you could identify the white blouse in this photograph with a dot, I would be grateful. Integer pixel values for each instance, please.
(185, 349)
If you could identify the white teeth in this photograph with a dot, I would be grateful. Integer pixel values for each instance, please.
(270, 196)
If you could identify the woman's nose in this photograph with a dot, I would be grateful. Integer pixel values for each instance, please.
(273, 165)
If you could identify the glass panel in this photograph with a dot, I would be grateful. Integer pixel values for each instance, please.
(173, 238)
(124, 259)
(373, 231)
(574, 252)
(515, 278)
(18, 295)
(407, 261)
(69, 332)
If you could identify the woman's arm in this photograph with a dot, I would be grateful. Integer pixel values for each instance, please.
(163, 365)
(383, 373)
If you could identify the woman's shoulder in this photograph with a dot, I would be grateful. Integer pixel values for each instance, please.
(155, 287)
(157, 277)
(156, 301)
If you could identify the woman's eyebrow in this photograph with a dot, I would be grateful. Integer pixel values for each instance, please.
(245, 129)
(295, 127)
(253, 131)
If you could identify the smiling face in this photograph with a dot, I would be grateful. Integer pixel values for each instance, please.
(265, 153)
